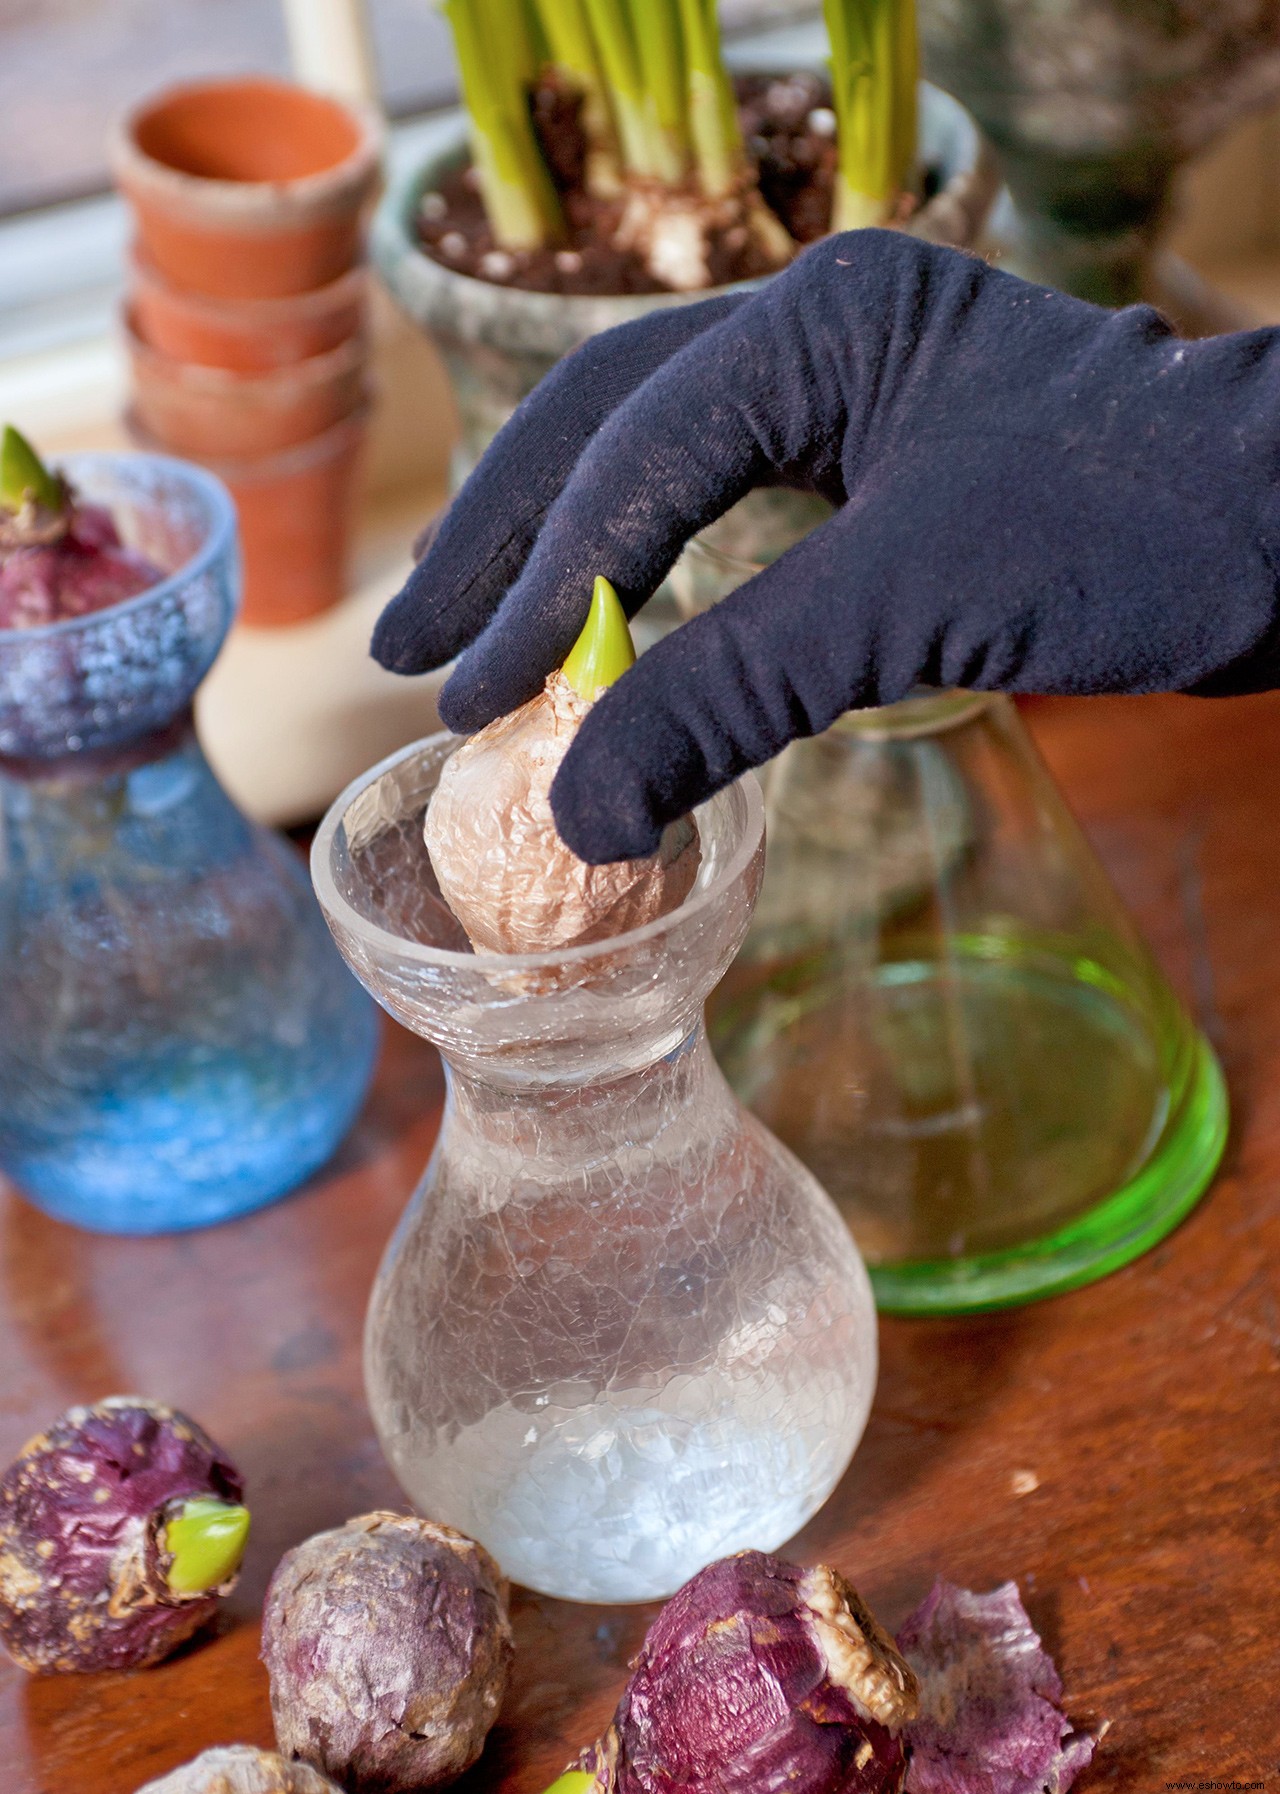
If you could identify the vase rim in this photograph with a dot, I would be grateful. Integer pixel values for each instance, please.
(701, 898)
(221, 534)
(249, 205)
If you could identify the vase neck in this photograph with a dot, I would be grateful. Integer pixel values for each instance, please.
(536, 1118)
(92, 766)
(158, 798)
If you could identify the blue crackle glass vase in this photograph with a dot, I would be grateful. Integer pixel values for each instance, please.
(179, 1040)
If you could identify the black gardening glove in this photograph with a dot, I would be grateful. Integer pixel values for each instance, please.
(1034, 495)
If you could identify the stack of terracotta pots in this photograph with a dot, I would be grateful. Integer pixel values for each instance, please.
(246, 315)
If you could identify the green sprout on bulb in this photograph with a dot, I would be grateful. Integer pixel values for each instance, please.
(604, 650)
(205, 1541)
(573, 1781)
(24, 478)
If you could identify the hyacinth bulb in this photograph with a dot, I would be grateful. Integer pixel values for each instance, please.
(497, 855)
(121, 1527)
(389, 1648)
(242, 1769)
(759, 1677)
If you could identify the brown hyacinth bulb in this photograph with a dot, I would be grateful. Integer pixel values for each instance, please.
(388, 1647)
(497, 855)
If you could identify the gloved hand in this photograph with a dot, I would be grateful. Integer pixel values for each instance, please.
(1034, 495)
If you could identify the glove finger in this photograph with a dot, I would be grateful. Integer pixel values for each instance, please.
(781, 657)
(483, 539)
(686, 445)
(772, 394)
(919, 578)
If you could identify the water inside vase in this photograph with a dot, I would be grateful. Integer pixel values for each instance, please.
(622, 1501)
(616, 1339)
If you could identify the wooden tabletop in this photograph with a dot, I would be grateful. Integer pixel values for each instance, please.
(1117, 1450)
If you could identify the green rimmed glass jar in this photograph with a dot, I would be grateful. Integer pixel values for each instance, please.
(944, 1010)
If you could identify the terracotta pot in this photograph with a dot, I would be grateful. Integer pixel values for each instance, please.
(296, 513)
(205, 411)
(248, 188)
(245, 335)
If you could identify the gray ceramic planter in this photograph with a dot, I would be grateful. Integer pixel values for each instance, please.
(1093, 106)
(500, 341)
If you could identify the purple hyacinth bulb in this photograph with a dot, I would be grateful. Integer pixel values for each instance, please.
(763, 1678)
(86, 1557)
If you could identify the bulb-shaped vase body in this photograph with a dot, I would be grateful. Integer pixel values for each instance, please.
(179, 1041)
(620, 1331)
(943, 1008)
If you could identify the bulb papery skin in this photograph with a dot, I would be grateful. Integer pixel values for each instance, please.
(83, 1512)
(498, 857)
(241, 1769)
(760, 1678)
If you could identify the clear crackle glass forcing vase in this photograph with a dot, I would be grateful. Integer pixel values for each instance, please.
(620, 1331)
(179, 1041)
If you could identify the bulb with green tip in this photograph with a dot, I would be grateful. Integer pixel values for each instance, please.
(604, 650)
(24, 476)
(205, 1540)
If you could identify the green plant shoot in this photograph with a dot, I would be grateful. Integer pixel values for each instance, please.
(659, 41)
(874, 71)
(497, 64)
(572, 50)
(205, 1540)
(610, 23)
(23, 475)
(604, 650)
(714, 132)
(658, 113)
